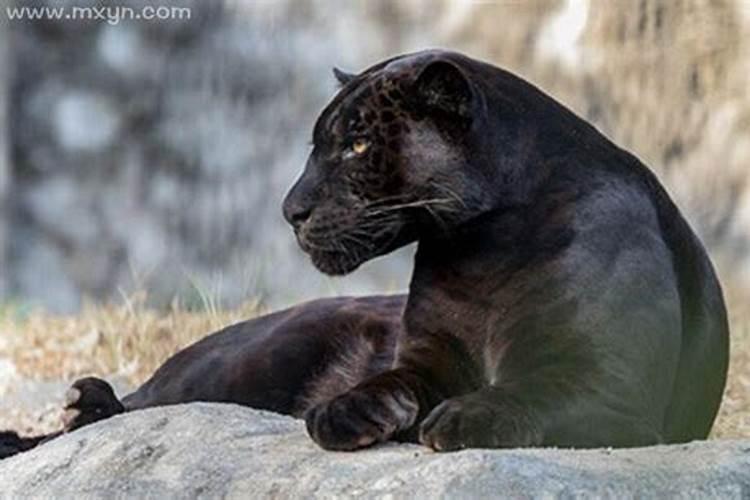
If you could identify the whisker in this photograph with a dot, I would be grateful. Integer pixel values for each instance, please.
(414, 204)
(450, 192)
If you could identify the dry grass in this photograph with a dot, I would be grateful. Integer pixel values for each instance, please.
(126, 342)
(130, 341)
(734, 416)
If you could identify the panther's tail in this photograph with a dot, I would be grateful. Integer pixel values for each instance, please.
(11, 443)
(87, 401)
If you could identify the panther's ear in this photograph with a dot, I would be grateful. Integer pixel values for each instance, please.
(343, 77)
(442, 87)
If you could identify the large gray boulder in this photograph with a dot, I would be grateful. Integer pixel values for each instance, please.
(212, 450)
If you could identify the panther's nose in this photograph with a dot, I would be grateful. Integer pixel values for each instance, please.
(295, 213)
(300, 200)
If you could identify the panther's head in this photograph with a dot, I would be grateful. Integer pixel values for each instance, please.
(391, 161)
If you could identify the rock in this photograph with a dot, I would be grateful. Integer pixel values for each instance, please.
(212, 450)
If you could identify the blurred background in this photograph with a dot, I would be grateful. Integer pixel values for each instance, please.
(154, 155)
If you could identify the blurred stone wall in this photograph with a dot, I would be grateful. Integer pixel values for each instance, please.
(155, 155)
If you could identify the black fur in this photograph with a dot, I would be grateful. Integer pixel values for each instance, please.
(565, 302)
(558, 296)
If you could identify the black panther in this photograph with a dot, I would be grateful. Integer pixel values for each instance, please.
(558, 297)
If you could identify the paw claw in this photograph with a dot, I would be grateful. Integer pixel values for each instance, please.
(69, 418)
(359, 419)
(72, 396)
(472, 422)
(365, 441)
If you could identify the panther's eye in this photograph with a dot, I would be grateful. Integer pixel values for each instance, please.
(359, 146)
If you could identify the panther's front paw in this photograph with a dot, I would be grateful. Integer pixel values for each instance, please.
(474, 421)
(360, 418)
(87, 401)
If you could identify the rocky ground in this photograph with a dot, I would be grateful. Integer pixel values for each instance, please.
(211, 451)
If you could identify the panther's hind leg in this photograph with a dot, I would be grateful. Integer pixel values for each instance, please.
(89, 400)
